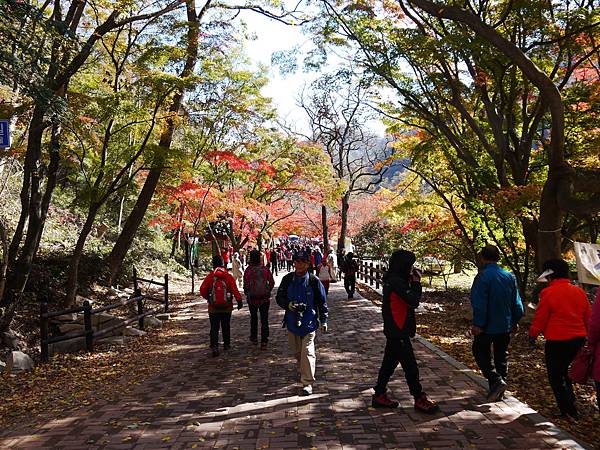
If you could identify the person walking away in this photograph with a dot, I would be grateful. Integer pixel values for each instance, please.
(273, 261)
(258, 283)
(288, 260)
(219, 288)
(562, 316)
(303, 297)
(350, 270)
(236, 268)
(401, 296)
(497, 309)
(325, 274)
(594, 343)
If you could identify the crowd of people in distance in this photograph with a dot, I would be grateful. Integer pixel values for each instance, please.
(563, 316)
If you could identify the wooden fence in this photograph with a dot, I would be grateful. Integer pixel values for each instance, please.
(87, 310)
(370, 271)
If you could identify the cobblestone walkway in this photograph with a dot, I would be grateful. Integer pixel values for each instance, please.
(247, 399)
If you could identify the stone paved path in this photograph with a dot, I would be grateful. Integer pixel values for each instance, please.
(247, 399)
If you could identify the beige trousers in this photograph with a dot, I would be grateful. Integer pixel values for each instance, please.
(303, 348)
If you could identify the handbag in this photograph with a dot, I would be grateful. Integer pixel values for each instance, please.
(581, 367)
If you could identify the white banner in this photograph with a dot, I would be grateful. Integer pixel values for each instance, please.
(588, 262)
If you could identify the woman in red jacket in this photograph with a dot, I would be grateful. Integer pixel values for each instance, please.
(562, 316)
(594, 342)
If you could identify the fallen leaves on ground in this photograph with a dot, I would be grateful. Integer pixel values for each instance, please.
(67, 382)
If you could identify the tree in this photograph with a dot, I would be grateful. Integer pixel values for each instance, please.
(338, 112)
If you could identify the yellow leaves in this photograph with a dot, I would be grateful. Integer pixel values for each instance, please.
(166, 439)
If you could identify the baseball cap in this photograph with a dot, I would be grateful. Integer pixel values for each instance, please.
(302, 256)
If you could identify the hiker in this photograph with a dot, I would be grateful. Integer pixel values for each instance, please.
(326, 274)
(562, 316)
(350, 269)
(303, 297)
(401, 296)
(497, 309)
(236, 268)
(258, 283)
(594, 343)
(273, 261)
(219, 288)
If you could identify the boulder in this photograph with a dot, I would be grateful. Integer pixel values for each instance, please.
(18, 361)
(70, 346)
(163, 316)
(65, 318)
(13, 341)
(129, 331)
(152, 322)
(112, 340)
(67, 327)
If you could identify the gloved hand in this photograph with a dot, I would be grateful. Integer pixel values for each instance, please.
(324, 327)
(240, 305)
(291, 306)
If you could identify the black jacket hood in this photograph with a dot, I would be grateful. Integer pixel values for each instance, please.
(401, 263)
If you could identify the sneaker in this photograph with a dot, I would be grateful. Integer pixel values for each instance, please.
(425, 405)
(497, 391)
(307, 390)
(383, 401)
(215, 352)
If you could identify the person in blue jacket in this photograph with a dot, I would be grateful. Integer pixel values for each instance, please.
(303, 297)
(497, 309)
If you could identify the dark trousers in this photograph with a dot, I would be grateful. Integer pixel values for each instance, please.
(290, 264)
(559, 355)
(264, 322)
(222, 320)
(274, 267)
(598, 394)
(399, 351)
(350, 284)
(484, 345)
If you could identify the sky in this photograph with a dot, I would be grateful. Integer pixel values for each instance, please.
(273, 36)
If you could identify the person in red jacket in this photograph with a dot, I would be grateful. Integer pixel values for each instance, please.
(562, 316)
(401, 296)
(219, 288)
(594, 343)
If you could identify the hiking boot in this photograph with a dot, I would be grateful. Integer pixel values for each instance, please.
(307, 390)
(215, 352)
(425, 405)
(383, 401)
(497, 391)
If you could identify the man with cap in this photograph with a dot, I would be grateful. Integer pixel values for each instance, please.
(303, 297)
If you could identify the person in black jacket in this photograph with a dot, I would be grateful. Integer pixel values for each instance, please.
(401, 295)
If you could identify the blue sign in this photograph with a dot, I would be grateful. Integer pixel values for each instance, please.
(4, 133)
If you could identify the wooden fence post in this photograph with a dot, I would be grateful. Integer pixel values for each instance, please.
(44, 331)
(166, 292)
(87, 322)
(377, 275)
(135, 279)
(140, 308)
(371, 277)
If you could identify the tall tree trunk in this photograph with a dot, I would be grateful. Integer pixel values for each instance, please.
(125, 239)
(73, 276)
(344, 218)
(325, 229)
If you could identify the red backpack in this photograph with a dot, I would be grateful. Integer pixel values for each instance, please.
(219, 297)
(259, 284)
